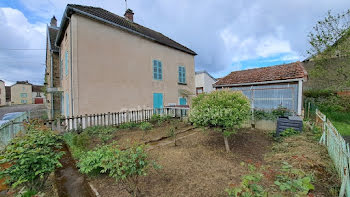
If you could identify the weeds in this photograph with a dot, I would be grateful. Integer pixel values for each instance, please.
(128, 125)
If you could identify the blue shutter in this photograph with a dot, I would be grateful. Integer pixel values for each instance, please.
(183, 101)
(160, 74)
(182, 74)
(157, 100)
(66, 62)
(67, 105)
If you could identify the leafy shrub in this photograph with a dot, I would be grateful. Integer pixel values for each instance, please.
(126, 166)
(156, 118)
(144, 126)
(225, 110)
(33, 156)
(249, 185)
(315, 93)
(128, 125)
(77, 152)
(81, 140)
(289, 132)
(294, 180)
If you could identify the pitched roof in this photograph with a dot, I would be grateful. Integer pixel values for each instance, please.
(115, 20)
(53, 31)
(37, 88)
(205, 72)
(272, 73)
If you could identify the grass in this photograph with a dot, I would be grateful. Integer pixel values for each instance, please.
(341, 121)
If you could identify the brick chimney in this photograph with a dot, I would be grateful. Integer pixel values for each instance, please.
(129, 15)
(53, 22)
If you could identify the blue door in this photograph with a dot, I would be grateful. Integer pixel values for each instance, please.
(157, 102)
(183, 101)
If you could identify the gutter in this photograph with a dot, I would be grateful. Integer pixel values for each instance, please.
(258, 83)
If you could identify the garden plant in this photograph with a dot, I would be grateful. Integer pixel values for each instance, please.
(222, 110)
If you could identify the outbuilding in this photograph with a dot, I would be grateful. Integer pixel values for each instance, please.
(269, 87)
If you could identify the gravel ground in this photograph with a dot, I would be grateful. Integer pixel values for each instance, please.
(20, 108)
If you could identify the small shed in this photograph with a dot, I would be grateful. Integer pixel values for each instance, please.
(269, 87)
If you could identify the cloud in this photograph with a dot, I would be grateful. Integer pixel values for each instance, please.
(17, 33)
(225, 34)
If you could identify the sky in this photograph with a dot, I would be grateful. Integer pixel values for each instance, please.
(227, 35)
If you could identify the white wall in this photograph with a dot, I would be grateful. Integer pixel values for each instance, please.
(205, 81)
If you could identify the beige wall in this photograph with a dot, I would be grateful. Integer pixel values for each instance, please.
(16, 91)
(113, 71)
(2, 94)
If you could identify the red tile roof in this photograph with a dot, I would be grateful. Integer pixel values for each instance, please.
(273, 73)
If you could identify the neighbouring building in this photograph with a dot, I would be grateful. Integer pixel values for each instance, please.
(2, 93)
(269, 87)
(52, 71)
(204, 82)
(21, 93)
(110, 63)
(38, 94)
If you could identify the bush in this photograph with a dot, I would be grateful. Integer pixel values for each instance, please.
(128, 125)
(156, 118)
(81, 140)
(225, 110)
(33, 157)
(289, 132)
(145, 126)
(126, 166)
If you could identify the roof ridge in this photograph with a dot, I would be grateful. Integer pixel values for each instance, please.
(136, 26)
(279, 65)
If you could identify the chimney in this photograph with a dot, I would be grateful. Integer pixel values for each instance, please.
(129, 15)
(53, 22)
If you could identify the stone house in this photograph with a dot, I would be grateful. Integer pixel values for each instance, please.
(2, 93)
(204, 82)
(269, 87)
(21, 93)
(110, 63)
(52, 71)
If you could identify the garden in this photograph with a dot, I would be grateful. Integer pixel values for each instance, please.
(206, 154)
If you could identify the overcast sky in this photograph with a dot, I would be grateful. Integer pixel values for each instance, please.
(227, 35)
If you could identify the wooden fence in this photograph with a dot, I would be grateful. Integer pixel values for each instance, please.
(112, 118)
(338, 150)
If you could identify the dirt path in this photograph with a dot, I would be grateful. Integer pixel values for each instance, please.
(69, 182)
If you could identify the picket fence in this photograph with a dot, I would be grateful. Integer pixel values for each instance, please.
(112, 118)
(338, 150)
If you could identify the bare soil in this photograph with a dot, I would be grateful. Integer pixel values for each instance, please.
(198, 166)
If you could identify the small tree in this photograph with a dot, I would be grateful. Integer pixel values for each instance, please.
(225, 110)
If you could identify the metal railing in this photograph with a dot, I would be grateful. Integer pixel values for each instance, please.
(338, 150)
(9, 129)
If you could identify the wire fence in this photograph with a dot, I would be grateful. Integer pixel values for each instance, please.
(338, 149)
(10, 129)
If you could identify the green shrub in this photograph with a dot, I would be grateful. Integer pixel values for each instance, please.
(77, 152)
(126, 166)
(225, 110)
(128, 125)
(145, 126)
(81, 140)
(294, 180)
(96, 130)
(289, 132)
(33, 157)
(156, 118)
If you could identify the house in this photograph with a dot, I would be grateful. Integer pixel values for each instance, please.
(2, 93)
(269, 87)
(204, 82)
(110, 63)
(21, 93)
(52, 71)
(38, 94)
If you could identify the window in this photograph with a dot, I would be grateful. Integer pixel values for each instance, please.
(182, 74)
(38, 94)
(182, 101)
(199, 90)
(23, 101)
(157, 70)
(66, 62)
(23, 95)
